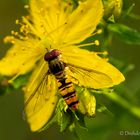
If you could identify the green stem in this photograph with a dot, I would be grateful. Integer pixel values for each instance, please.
(125, 104)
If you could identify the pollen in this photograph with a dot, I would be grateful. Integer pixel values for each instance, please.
(97, 43)
(26, 6)
(9, 39)
(105, 53)
(17, 21)
(99, 31)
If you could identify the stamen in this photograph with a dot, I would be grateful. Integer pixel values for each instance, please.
(26, 6)
(27, 23)
(16, 34)
(106, 59)
(11, 80)
(17, 21)
(10, 39)
(103, 53)
(99, 31)
(96, 42)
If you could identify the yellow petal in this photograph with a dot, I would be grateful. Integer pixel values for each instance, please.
(83, 21)
(61, 25)
(20, 58)
(47, 16)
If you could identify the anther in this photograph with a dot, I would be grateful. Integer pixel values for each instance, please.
(99, 31)
(97, 43)
(26, 6)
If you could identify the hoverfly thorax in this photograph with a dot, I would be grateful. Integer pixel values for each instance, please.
(55, 64)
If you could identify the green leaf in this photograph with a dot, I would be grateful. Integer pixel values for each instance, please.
(134, 16)
(20, 81)
(5, 86)
(103, 109)
(125, 33)
(134, 110)
(64, 115)
(80, 122)
(64, 121)
(26, 1)
(128, 11)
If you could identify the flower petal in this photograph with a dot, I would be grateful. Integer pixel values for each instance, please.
(83, 21)
(20, 58)
(63, 25)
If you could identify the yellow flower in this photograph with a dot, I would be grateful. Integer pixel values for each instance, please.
(56, 24)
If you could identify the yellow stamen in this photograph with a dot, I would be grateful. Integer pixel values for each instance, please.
(26, 6)
(103, 53)
(96, 42)
(99, 31)
(11, 80)
(8, 39)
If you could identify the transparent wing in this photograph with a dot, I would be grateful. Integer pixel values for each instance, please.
(89, 69)
(40, 97)
(89, 77)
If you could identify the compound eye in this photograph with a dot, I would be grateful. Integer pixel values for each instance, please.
(51, 55)
(47, 57)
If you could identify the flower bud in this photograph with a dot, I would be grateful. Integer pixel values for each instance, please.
(87, 103)
(113, 8)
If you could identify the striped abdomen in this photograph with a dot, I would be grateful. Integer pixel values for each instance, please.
(68, 92)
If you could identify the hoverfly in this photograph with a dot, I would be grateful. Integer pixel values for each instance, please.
(65, 64)
(58, 68)
(61, 25)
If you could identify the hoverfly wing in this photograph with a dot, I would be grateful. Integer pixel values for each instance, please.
(88, 77)
(40, 97)
(34, 94)
(89, 69)
(37, 92)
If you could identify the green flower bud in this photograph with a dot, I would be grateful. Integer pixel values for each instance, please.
(113, 8)
(87, 103)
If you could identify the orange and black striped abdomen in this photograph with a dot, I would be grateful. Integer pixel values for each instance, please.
(68, 92)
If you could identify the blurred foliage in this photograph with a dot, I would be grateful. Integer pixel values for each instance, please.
(118, 109)
(125, 33)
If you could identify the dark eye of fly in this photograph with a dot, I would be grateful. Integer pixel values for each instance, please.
(51, 55)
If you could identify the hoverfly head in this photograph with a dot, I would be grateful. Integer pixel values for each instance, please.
(52, 54)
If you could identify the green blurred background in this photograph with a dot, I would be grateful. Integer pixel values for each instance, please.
(103, 126)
